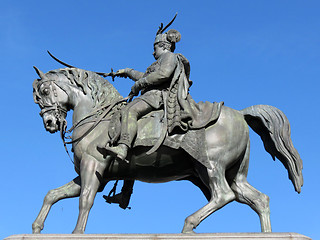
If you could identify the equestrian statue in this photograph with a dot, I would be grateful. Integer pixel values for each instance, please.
(160, 136)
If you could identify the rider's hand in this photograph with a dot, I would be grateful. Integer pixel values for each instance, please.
(135, 89)
(122, 73)
(138, 85)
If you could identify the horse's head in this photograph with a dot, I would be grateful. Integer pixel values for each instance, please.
(52, 97)
(58, 91)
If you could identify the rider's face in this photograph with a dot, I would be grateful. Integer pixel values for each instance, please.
(157, 51)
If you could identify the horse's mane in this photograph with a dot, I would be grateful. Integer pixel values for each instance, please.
(101, 90)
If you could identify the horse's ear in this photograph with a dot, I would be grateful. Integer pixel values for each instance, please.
(39, 72)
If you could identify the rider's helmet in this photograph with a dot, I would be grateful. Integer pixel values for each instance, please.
(170, 37)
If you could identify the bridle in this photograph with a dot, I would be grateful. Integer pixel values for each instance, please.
(59, 111)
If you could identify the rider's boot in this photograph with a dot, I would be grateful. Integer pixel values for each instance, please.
(120, 151)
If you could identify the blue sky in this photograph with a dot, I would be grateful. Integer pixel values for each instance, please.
(241, 52)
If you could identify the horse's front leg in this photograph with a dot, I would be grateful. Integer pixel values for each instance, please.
(91, 172)
(69, 190)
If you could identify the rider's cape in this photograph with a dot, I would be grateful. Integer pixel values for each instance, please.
(182, 111)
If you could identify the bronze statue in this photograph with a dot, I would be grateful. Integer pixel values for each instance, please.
(172, 138)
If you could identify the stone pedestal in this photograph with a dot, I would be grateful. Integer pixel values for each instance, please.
(200, 236)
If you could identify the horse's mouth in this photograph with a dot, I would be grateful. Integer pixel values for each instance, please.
(52, 126)
(52, 129)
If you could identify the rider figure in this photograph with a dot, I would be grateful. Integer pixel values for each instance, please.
(164, 85)
(155, 85)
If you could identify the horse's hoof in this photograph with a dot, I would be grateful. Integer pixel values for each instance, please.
(36, 228)
(189, 225)
(36, 231)
(188, 232)
(78, 232)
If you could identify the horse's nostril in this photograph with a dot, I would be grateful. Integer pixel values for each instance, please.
(48, 122)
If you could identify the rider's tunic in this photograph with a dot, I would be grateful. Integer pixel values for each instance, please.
(168, 84)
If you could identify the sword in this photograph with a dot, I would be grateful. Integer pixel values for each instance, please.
(111, 74)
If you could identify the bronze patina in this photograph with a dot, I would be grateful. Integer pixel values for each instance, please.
(162, 135)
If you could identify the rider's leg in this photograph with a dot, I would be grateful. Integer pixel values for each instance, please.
(129, 126)
(129, 120)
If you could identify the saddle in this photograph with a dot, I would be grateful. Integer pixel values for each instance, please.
(149, 132)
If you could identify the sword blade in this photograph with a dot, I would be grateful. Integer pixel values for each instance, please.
(59, 61)
(70, 66)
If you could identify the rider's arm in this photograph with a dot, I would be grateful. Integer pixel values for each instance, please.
(130, 73)
(133, 74)
(168, 63)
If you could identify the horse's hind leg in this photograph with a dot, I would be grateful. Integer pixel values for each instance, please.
(258, 201)
(247, 194)
(69, 190)
(221, 194)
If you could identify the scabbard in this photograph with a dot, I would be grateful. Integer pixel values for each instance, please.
(164, 129)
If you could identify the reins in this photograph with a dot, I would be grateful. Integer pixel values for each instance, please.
(96, 122)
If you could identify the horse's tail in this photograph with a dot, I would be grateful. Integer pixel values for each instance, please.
(274, 129)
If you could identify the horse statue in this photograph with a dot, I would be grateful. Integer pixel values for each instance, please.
(222, 179)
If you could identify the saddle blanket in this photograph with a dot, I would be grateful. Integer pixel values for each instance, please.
(149, 132)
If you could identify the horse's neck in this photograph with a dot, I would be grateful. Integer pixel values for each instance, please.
(82, 106)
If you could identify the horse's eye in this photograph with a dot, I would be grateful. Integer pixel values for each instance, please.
(46, 91)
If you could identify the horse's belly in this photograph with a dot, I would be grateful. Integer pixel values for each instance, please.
(164, 165)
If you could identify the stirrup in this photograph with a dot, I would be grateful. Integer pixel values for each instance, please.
(120, 199)
(113, 199)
